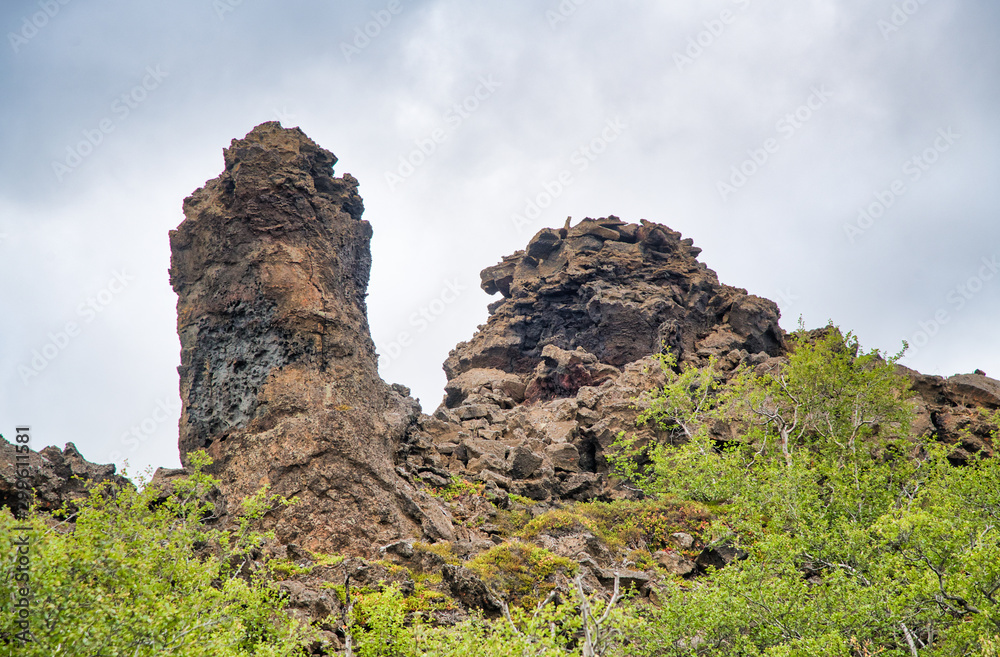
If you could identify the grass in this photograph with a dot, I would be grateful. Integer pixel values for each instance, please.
(330, 560)
(285, 569)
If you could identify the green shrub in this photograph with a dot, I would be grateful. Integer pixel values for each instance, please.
(861, 539)
(129, 577)
(521, 572)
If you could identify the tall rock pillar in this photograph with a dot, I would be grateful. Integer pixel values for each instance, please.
(278, 372)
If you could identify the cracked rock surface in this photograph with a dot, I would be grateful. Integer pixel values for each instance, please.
(278, 371)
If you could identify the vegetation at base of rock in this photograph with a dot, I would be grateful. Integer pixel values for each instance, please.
(458, 487)
(131, 576)
(330, 560)
(384, 626)
(624, 524)
(857, 533)
(283, 569)
(442, 549)
(520, 499)
(521, 572)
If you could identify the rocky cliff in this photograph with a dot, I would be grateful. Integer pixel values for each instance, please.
(535, 398)
(278, 371)
(279, 382)
(615, 292)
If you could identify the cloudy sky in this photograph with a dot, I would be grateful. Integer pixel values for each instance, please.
(837, 156)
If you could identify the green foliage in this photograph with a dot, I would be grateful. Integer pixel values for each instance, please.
(521, 572)
(458, 488)
(442, 549)
(862, 540)
(425, 599)
(639, 524)
(384, 625)
(512, 521)
(554, 521)
(130, 577)
(378, 623)
(548, 634)
(286, 569)
(327, 560)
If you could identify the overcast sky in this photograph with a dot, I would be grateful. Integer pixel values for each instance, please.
(839, 157)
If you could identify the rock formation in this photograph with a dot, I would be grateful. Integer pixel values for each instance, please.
(278, 370)
(535, 398)
(618, 292)
(951, 410)
(57, 476)
(279, 385)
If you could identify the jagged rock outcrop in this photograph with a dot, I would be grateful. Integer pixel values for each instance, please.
(954, 411)
(278, 371)
(538, 395)
(612, 292)
(57, 476)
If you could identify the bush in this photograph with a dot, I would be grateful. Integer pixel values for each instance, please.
(130, 577)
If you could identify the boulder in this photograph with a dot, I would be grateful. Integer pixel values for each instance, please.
(469, 589)
(719, 556)
(675, 563)
(564, 456)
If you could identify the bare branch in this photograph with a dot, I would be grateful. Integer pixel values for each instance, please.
(909, 640)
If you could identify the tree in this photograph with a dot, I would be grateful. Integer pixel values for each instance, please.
(862, 539)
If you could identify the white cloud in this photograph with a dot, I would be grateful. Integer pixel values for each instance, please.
(780, 236)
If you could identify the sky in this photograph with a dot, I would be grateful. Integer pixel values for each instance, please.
(839, 157)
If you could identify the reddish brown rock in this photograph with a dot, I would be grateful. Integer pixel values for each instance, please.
(615, 291)
(955, 410)
(55, 476)
(556, 372)
(278, 370)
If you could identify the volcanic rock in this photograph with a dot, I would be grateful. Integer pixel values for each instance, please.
(57, 476)
(564, 362)
(613, 293)
(278, 372)
(956, 410)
